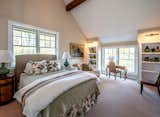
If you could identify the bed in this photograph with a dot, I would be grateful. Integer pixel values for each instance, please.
(67, 94)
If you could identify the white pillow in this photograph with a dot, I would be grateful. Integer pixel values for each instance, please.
(28, 68)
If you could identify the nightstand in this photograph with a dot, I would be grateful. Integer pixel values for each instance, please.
(6, 89)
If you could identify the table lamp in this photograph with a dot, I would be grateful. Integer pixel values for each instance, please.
(4, 59)
(65, 57)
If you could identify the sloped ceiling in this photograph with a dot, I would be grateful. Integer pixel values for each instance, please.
(116, 20)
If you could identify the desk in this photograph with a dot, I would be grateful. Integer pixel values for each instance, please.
(120, 67)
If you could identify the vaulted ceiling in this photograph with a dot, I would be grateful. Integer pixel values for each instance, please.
(116, 20)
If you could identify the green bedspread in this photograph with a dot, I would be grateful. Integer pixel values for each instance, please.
(74, 102)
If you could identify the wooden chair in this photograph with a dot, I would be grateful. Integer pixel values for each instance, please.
(157, 84)
(87, 67)
(112, 69)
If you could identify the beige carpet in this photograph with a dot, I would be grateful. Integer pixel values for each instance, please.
(122, 99)
(11, 110)
(118, 98)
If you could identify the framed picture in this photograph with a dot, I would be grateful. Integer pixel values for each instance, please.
(76, 50)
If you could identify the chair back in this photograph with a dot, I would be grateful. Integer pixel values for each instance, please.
(158, 80)
(85, 67)
(112, 67)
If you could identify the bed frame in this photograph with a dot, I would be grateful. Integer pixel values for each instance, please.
(77, 95)
(21, 61)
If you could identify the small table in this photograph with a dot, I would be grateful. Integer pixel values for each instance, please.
(6, 89)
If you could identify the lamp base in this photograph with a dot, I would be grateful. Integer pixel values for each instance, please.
(66, 63)
(3, 70)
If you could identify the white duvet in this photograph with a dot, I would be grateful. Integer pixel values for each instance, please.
(40, 99)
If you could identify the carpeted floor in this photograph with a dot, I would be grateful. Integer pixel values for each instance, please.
(122, 99)
(118, 98)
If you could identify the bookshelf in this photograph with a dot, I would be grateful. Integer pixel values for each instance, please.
(93, 53)
(92, 56)
(150, 61)
(149, 54)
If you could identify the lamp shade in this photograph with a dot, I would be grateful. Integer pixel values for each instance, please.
(5, 56)
(66, 55)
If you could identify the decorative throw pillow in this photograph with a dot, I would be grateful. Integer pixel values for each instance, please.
(53, 66)
(40, 67)
(37, 67)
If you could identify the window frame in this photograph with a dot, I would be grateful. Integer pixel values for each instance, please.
(135, 58)
(38, 30)
(118, 56)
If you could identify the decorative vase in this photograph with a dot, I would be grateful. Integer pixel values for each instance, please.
(66, 63)
(3, 70)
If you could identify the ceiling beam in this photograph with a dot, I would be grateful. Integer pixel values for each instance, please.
(73, 4)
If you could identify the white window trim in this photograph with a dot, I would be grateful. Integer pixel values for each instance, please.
(136, 57)
(10, 34)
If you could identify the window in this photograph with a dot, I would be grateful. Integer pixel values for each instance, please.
(106, 54)
(26, 39)
(125, 56)
(47, 43)
(110, 52)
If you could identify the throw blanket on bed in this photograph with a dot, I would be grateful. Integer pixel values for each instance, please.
(39, 94)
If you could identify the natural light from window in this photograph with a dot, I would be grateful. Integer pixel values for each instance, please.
(125, 56)
(26, 39)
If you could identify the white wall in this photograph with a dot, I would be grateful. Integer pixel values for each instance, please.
(117, 20)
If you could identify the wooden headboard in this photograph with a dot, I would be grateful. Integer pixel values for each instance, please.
(21, 61)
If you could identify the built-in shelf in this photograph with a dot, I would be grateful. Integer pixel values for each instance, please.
(151, 53)
(148, 62)
(92, 56)
(151, 71)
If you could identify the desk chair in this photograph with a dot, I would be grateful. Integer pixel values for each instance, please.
(112, 69)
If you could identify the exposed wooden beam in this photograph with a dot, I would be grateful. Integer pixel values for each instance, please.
(73, 4)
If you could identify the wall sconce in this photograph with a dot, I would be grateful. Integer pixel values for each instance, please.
(152, 34)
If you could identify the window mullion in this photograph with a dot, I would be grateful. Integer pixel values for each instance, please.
(37, 41)
(117, 56)
(104, 65)
(135, 59)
